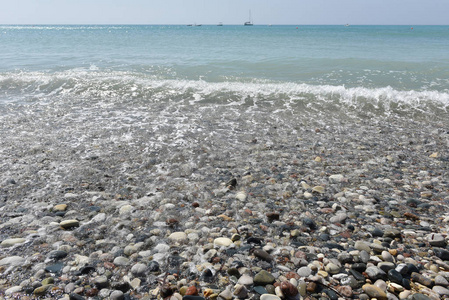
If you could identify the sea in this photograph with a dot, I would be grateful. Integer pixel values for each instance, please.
(77, 84)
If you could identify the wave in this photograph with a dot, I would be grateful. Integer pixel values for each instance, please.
(89, 86)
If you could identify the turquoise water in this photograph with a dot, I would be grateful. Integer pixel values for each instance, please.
(348, 64)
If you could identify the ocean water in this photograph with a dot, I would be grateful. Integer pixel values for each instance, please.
(354, 65)
(82, 84)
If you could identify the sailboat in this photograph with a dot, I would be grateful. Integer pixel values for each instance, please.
(250, 22)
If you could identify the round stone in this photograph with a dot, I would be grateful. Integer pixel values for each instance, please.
(139, 269)
(179, 237)
(117, 295)
(121, 261)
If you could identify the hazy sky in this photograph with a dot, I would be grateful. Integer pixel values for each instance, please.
(408, 12)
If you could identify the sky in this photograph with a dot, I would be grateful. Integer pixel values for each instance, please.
(299, 12)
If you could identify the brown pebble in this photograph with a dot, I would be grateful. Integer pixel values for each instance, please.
(91, 292)
(195, 204)
(192, 291)
(289, 289)
(290, 275)
(311, 287)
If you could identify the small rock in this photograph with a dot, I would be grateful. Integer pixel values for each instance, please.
(139, 269)
(12, 261)
(117, 295)
(263, 278)
(60, 207)
(69, 224)
(222, 242)
(442, 291)
(374, 292)
(436, 240)
(179, 237)
(12, 242)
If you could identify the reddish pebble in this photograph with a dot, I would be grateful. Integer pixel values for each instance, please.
(195, 204)
(291, 275)
(192, 291)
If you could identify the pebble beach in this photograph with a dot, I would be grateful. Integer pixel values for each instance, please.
(275, 207)
(210, 162)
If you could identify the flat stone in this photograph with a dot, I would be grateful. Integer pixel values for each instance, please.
(179, 237)
(12, 242)
(419, 297)
(261, 254)
(269, 297)
(442, 291)
(440, 280)
(12, 261)
(416, 277)
(359, 245)
(69, 224)
(374, 292)
(436, 240)
(263, 278)
(60, 207)
(304, 271)
(245, 279)
(57, 254)
(54, 268)
(222, 242)
(13, 290)
(375, 273)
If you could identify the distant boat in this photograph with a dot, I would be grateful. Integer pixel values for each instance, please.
(347, 25)
(194, 24)
(250, 22)
(220, 24)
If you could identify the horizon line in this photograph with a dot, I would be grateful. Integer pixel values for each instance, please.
(206, 24)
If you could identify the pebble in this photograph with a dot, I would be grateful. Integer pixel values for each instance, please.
(69, 224)
(269, 297)
(374, 292)
(117, 295)
(263, 278)
(12, 242)
(12, 261)
(222, 242)
(436, 240)
(179, 237)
